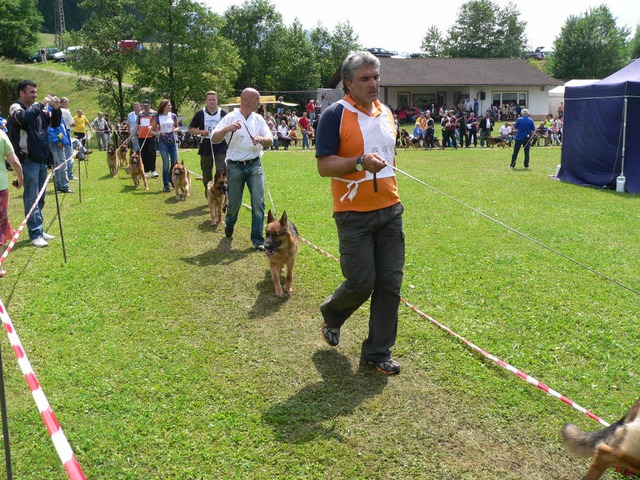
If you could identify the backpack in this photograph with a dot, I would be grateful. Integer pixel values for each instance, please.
(13, 132)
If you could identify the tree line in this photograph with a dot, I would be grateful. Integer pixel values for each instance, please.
(187, 49)
(589, 45)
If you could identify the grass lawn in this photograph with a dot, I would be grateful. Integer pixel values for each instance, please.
(165, 355)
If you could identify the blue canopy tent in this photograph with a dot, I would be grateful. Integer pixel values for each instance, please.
(596, 148)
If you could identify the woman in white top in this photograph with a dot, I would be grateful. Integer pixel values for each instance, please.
(166, 125)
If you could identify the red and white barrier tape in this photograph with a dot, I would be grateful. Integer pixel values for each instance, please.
(58, 438)
(519, 373)
(16, 235)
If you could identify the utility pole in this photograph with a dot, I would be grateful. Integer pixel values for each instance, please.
(59, 21)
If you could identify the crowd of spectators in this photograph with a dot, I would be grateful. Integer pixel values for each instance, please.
(461, 127)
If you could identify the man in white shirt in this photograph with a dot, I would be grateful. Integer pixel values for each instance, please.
(68, 119)
(246, 134)
(132, 122)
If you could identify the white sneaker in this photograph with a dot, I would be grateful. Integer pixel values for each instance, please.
(154, 174)
(47, 237)
(39, 242)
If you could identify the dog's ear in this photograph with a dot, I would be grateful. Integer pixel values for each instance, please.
(283, 218)
(270, 217)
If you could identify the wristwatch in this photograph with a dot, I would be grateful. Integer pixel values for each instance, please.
(360, 163)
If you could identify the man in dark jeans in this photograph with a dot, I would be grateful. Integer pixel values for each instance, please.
(204, 123)
(28, 131)
(356, 147)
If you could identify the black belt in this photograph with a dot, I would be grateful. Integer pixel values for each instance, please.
(245, 162)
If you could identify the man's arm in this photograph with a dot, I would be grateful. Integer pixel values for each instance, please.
(16, 166)
(336, 166)
(194, 126)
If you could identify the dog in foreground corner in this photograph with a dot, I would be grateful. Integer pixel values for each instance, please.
(617, 445)
(281, 246)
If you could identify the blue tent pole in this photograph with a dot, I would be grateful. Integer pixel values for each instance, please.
(621, 180)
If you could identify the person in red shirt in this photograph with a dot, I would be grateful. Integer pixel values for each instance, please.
(311, 109)
(304, 126)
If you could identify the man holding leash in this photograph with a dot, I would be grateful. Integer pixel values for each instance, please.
(203, 123)
(356, 147)
(246, 134)
(525, 128)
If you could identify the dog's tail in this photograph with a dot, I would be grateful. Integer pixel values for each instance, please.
(583, 444)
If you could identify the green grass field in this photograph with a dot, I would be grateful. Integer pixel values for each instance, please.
(165, 355)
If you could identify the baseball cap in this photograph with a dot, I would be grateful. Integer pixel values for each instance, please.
(145, 101)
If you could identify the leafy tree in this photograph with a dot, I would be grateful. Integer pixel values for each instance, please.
(19, 23)
(433, 43)
(112, 21)
(255, 27)
(482, 30)
(590, 46)
(300, 70)
(330, 49)
(634, 44)
(187, 56)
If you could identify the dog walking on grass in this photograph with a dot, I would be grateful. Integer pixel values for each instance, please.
(618, 445)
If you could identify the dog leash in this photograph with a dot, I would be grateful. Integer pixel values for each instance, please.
(264, 175)
(518, 232)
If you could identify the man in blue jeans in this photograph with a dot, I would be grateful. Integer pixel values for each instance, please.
(28, 131)
(246, 134)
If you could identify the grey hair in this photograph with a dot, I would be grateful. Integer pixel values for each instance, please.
(353, 62)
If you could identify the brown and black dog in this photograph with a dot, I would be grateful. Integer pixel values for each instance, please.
(496, 141)
(122, 155)
(217, 197)
(618, 445)
(113, 162)
(181, 179)
(281, 247)
(136, 170)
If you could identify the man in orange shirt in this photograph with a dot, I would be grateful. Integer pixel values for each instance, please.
(146, 139)
(355, 146)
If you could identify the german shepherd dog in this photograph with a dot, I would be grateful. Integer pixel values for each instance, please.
(122, 155)
(496, 141)
(136, 170)
(615, 446)
(281, 247)
(113, 162)
(181, 179)
(217, 197)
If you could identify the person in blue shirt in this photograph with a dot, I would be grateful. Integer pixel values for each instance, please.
(418, 133)
(60, 146)
(525, 128)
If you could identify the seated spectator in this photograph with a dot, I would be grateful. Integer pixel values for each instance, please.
(405, 138)
(505, 133)
(293, 136)
(283, 134)
(418, 131)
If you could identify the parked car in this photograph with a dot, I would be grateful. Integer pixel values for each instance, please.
(72, 50)
(381, 52)
(53, 54)
(125, 45)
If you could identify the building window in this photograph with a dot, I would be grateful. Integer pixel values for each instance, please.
(423, 100)
(403, 99)
(500, 98)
